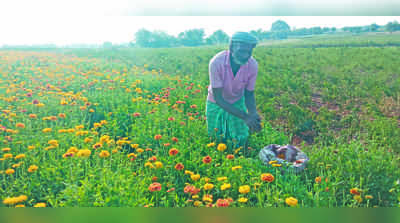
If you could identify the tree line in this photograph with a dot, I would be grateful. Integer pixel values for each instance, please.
(279, 30)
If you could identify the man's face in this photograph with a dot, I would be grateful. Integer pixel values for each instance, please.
(241, 52)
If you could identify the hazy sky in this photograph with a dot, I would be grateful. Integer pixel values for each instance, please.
(96, 21)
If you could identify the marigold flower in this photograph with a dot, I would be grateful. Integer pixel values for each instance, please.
(354, 191)
(276, 165)
(6, 149)
(62, 115)
(195, 177)
(208, 186)
(40, 205)
(197, 203)
(170, 190)
(225, 186)
(20, 125)
(20, 156)
(15, 200)
(157, 137)
(31, 147)
(158, 164)
(242, 200)
(67, 154)
(208, 198)
(20, 206)
(32, 116)
(272, 162)
(358, 198)
(174, 139)
(236, 168)
(53, 142)
(136, 114)
(244, 189)
(7, 156)
(173, 152)
(32, 168)
(222, 178)
(207, 159)
(291, 201)
(230, 156)
(221, 147)
(46, 130)
(104, 154)
(153, 158)
(191, 189)
(10, 171)
(318, 180)
(189, 172)
(222, 203)
(148, 164)
(211, 144)
(267, 177)
(73, 149)
(179, 166)
(155, 187)
(97, 145)
(84, 153)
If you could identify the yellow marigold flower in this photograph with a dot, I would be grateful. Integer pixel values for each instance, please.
(84, 153)
(368, 197)
(88, 139)
(208, 186)
(20, 156)
(103, 122)
(139, 150)
(206, 179)
(20, 206)
(10, 171)
(114, 151)
(15, 200)
(31, 147)
(45, 130)
(97, 145)
(148, 164)
(272, 162)
(7, 156)
(211, 144)
(104, 154)
(291, 201)
(189, 172)
(96, 125)
(242, 200)
(20, 125)
(276, 165)
(195, 177)
(221, 147)
(135, 146)
(104, 138)
(32, 168)
(236, 168)
(208, 198)
(195, 196)
(244, 189)
(53, 142)
(73, 149)
(237, 150)
(222, 178)
(358, 198)
(158, 164)
(131, 155)
(79, 127)
(40, 205)
(6, 149)
(225, 186)
(197, 203)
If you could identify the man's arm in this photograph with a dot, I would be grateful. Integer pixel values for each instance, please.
(251, 121)
(250, 102)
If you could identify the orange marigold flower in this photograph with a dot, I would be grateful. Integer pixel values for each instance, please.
(207, 159)
(179, 166)
(32, 168)
(155, 187)
(10, 171)
(267, 177)
(62, 115)
(230, 156)
(318, 180)
(223, 203)
(157, 137)
(354, 191)
(153, 158)
(20, 156)
(20, 125)
(221, 147)
(97, 145)
(104, 154)
(32, 116)
(174, 139)
(173, 152)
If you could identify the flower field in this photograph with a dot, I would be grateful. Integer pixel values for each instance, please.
(127, 128)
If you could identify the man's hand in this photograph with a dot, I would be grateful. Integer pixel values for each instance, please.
(253, 122)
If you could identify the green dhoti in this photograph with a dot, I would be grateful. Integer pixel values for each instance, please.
(224, 127)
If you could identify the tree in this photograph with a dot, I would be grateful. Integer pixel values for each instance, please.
(218, 37)
(373, 27)
(192, 37)
(280, 30)
(392, 26)
(280, 26)
(143, 38)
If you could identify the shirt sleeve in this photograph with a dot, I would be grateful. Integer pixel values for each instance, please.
(216, 75)
(251, 83)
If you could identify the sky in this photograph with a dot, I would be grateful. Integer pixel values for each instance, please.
(65, 22)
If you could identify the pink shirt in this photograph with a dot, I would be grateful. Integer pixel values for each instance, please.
(221, 75)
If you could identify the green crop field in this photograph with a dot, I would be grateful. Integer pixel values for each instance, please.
(126, 127)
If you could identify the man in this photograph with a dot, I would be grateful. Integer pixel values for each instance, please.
(231, 107)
